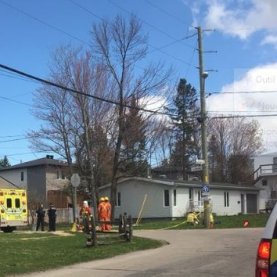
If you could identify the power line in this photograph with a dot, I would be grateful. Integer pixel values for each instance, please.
(234, 92)
(152, 46)
(165, 12)
(242, 116)
(40, 80)
(43, 22)
(15, 101)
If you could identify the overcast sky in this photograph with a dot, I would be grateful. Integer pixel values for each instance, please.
(243, 71)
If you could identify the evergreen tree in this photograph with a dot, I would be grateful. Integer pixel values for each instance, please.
(4, 162)
(133, 155)
(185, 110)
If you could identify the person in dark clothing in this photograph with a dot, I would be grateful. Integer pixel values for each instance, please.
(40, 217)
(52, 218)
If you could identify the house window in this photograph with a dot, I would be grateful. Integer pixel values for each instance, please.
(118, 199)
(166, 198)
(226, 199)
(274, 166)
(190, 194)
(264, 182)
(22, 176)
(63, 175)
(199, 195)
(174, 197)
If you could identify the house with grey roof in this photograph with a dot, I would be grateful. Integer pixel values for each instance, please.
(161, 198)
(45, 180)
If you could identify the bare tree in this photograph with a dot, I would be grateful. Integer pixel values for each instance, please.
(232, 143)
(69, 118)
(120, 45)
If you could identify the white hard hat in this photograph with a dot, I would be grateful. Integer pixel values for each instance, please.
(85, 202)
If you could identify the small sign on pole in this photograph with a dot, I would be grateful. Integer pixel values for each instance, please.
(75, 181)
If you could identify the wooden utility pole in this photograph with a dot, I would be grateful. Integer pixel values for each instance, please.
(202, 76)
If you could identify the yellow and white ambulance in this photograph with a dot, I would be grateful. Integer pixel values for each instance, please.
(13, 209)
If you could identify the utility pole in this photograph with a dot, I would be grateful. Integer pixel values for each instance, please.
(202, 76)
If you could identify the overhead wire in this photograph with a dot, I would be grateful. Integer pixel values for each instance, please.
(40, 80)
(43, 22)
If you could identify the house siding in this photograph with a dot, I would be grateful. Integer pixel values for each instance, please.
(132, 199)
(37, 184)
(15, 177)
(134, 191)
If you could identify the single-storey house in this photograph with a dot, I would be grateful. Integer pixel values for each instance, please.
(154, 198)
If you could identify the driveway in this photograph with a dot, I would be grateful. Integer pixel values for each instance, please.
(192, 253)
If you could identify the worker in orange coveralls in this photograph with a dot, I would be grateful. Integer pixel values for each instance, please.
(109, 213)
(102, 213)
(85, 213)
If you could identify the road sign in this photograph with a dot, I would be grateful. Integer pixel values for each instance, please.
(205, 189)
(75, 180)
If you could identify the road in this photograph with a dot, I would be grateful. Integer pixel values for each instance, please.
(192, 253)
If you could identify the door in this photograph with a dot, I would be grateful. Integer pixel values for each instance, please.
(251, 203)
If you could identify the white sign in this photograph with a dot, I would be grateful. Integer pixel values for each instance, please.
(75, 180)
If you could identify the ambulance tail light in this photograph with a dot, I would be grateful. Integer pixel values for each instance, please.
(263, 258)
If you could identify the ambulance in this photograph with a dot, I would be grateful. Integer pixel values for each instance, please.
(13, 209)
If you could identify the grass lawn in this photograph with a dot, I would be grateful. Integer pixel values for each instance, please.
(235, 221)
(26, 251)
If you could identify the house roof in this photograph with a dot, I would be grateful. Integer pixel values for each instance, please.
(38, 162)
(5, 184)
(190, 184)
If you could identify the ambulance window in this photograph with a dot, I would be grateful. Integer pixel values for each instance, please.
(9, 202)
(17, 203)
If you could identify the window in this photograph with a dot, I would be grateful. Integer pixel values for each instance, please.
(166, 198)
(274, 166)
(174, 197)
(226, 199)
(17, 203)
(118, 199)
(264, 182)
(190, 194)
(199, 195)
(22, 176)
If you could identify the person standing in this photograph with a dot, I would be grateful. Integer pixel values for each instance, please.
(108, 205)
(40, 217)
(85, 213)
(52, 217)
(102, 213)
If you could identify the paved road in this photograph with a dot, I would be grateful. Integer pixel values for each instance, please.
(192, 253)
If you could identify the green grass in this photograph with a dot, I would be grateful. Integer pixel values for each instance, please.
(235, 221)
(24, 252)
(29, 252)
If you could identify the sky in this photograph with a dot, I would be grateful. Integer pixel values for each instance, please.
(239, 43)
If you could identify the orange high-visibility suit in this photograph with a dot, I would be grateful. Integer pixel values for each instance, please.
(109, 213)
(102, 213)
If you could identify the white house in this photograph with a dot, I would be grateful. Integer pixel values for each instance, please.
(265, 178)
(150, 198)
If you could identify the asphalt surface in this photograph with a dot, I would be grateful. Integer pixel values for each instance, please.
(192, 253)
